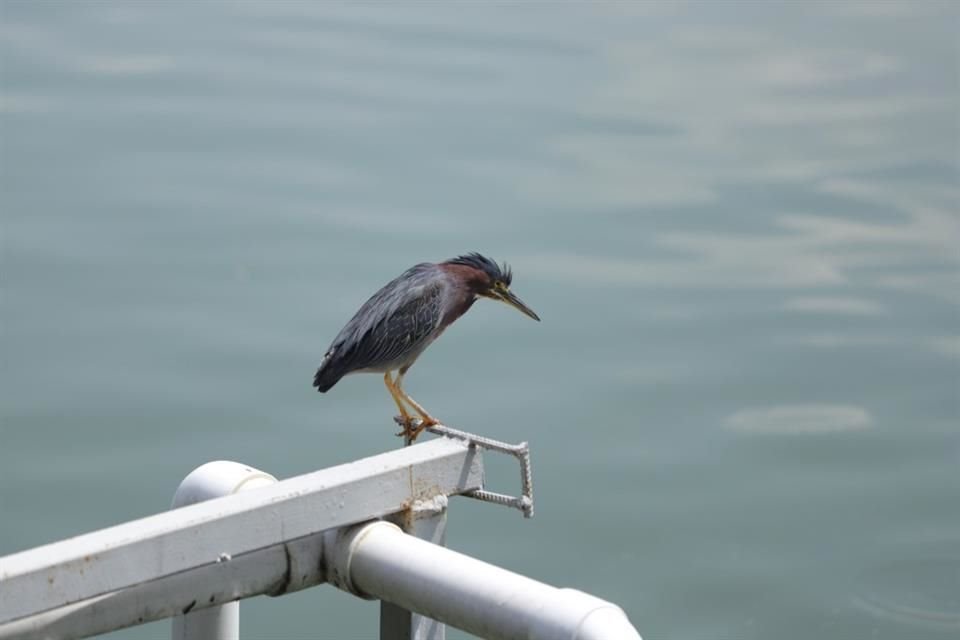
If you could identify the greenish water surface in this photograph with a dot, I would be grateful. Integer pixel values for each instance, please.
(738, 221)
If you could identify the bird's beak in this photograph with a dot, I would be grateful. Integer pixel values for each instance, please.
(517, 303)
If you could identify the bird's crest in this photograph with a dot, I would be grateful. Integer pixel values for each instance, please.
(485, 264)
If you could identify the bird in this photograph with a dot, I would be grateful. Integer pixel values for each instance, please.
(394, 327)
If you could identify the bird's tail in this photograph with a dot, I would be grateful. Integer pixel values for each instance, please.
(326, 377)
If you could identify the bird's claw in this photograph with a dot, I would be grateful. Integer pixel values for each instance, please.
(406, 424)
(413, 427)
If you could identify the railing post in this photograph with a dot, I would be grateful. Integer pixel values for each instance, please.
(209, 481)
(426, 520)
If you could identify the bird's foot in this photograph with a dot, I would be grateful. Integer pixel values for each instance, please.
(422, 424)
(407, 425)
(413, 427)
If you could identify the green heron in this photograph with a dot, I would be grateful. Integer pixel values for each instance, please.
(393, 327)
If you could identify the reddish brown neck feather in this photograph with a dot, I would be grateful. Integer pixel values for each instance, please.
(474, 279)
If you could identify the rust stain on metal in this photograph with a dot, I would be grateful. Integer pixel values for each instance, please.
(407, 519)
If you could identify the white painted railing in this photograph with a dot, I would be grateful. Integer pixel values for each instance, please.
(267, 537)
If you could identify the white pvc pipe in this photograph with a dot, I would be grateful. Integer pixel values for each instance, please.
(378, 559)
(214, 480)
(217, 479)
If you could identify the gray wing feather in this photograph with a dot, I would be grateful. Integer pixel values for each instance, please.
(395, 322)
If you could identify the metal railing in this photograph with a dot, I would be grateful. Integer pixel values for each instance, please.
(374, 528)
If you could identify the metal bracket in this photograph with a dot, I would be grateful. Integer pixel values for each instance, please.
(521, 452)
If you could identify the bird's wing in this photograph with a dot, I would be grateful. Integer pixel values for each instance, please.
(403, 331)
(395, 321)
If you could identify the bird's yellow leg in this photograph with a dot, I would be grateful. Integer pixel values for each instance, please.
(426, 420)
(396, 394)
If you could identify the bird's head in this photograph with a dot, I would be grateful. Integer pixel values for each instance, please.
(490, 280)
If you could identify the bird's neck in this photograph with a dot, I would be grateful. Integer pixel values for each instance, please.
(462, 300)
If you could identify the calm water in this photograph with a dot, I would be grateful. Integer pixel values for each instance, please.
(739, 223)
